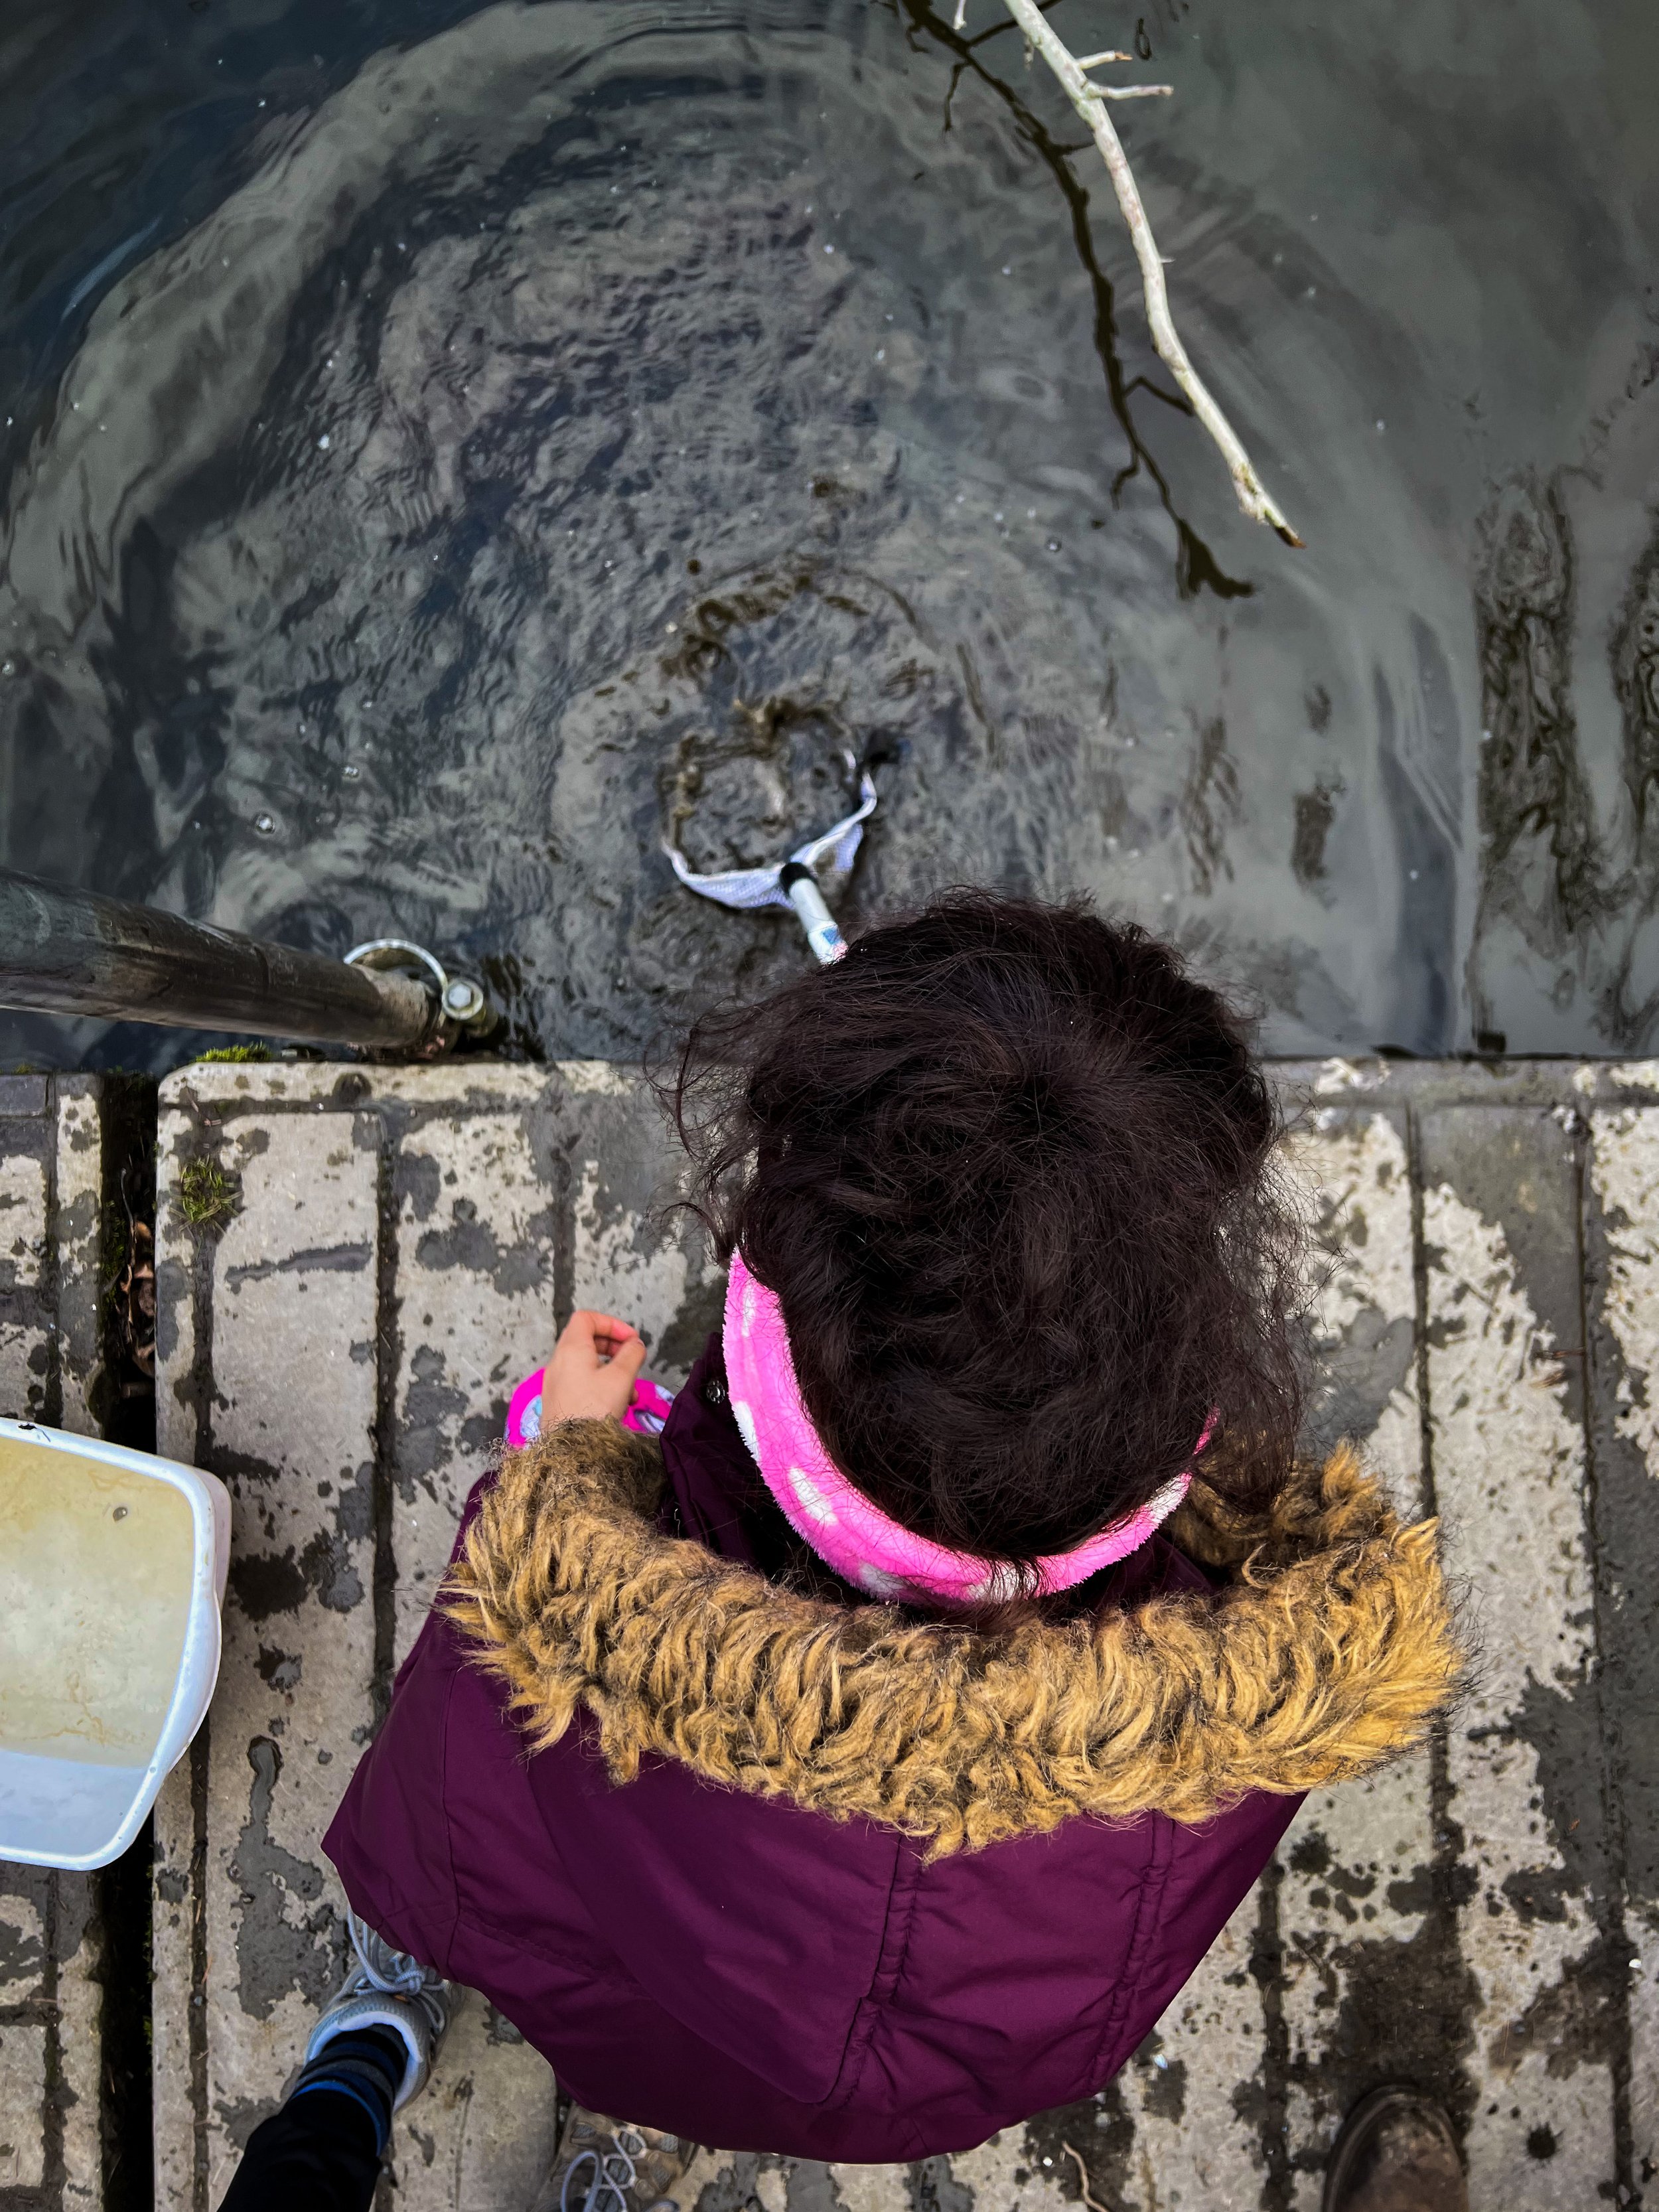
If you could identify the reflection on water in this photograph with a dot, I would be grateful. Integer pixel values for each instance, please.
(1568, 884)
(578, 424)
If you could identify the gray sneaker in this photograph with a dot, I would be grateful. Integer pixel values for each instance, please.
(609, 2165)
(388, 1989)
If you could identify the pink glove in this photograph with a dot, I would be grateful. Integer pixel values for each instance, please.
(646, 1414)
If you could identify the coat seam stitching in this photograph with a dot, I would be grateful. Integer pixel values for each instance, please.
(443, 1799)
(1149, 1894)
(884, 1984)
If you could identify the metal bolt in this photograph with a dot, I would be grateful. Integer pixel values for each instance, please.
(463, 999)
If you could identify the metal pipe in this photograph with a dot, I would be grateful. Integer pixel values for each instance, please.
(68, 952)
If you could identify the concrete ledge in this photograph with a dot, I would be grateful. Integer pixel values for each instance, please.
(342, 1350)
(397, 1247)
(51, 1355)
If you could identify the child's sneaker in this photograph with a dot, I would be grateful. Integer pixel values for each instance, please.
(388, 1989)
(609, 2165)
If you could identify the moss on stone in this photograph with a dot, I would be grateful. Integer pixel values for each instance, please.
(207, 1197)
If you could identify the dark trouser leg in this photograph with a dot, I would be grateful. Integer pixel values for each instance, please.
(321, 2151)
(318, 2151)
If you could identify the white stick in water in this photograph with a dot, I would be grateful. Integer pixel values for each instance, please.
(1090, 101)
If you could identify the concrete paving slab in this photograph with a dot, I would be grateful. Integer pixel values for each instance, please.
(482, 2134)
(1351, 1896)
(51, 1940)
(23, 1370)
(51, 1999)
(78, 1198)
(78, 1941)
(1504, 1366)
(450, 1085)
(177, 1998)
(1363, 1959)
(25, 1316)
(1363, 1341)
(22, 2101)
(473, 1206)
(477, 1242)
(23, 1173)
(477, 1236)
(178, 1920)
(51, 1174)
(631, 1253)
(464, 1211)
(23, 1912)
(1622, 1304)
(282, 1397)
(1184, 2120)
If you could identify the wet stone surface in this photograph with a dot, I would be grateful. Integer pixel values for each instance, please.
(1483, 1920)
(52, 1954)
(342, 1351)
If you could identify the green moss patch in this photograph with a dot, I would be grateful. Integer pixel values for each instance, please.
(207, 1197)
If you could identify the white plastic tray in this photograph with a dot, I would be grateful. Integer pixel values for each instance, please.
(61, 1812)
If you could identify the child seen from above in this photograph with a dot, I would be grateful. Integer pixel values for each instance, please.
(863, 1764)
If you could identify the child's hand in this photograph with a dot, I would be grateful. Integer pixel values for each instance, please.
(590, 1376)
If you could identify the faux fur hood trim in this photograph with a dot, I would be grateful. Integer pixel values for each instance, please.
(1329, 1649)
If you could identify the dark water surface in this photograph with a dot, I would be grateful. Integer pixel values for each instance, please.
(449, 445)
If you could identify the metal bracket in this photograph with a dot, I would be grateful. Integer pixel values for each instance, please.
(460, 1003)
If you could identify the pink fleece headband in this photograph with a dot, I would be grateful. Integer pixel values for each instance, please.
(846, 1530)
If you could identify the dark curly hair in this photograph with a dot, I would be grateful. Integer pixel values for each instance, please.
(1010, 1170)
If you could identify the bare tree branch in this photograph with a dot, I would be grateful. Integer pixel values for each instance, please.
(1090, 101)
(1196, 568)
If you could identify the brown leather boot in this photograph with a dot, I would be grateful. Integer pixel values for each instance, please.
(609, 2165)
(1396, 2153)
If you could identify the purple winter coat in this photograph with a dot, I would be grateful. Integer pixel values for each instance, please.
(750, 1973)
